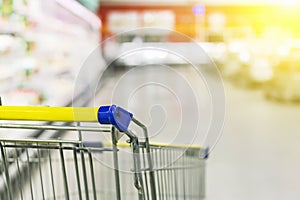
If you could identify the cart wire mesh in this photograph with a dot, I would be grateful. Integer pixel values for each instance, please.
(75, 169)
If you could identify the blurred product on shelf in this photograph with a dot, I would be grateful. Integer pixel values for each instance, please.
(29, 97)
(285, 85)
(262, 63)
(128, 15)
(50, 45)
(169, 53)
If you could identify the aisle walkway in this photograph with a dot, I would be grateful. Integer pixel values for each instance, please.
(257, 157)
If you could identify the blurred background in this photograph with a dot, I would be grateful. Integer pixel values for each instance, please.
(254, 44)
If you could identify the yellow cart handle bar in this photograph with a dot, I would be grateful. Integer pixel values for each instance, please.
(113, 114)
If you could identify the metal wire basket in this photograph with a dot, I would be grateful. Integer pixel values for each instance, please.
(75, 169)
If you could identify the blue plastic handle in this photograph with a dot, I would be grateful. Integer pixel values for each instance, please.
(116, 116)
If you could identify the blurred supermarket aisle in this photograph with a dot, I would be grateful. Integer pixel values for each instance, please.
(257, 156)
(169, 100)
(255, 45)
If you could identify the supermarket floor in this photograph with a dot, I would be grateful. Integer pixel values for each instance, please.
(257, 157)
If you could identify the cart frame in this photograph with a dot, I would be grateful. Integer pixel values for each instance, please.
(147, 181)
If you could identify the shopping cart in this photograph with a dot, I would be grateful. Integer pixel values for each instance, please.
(75, 169)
